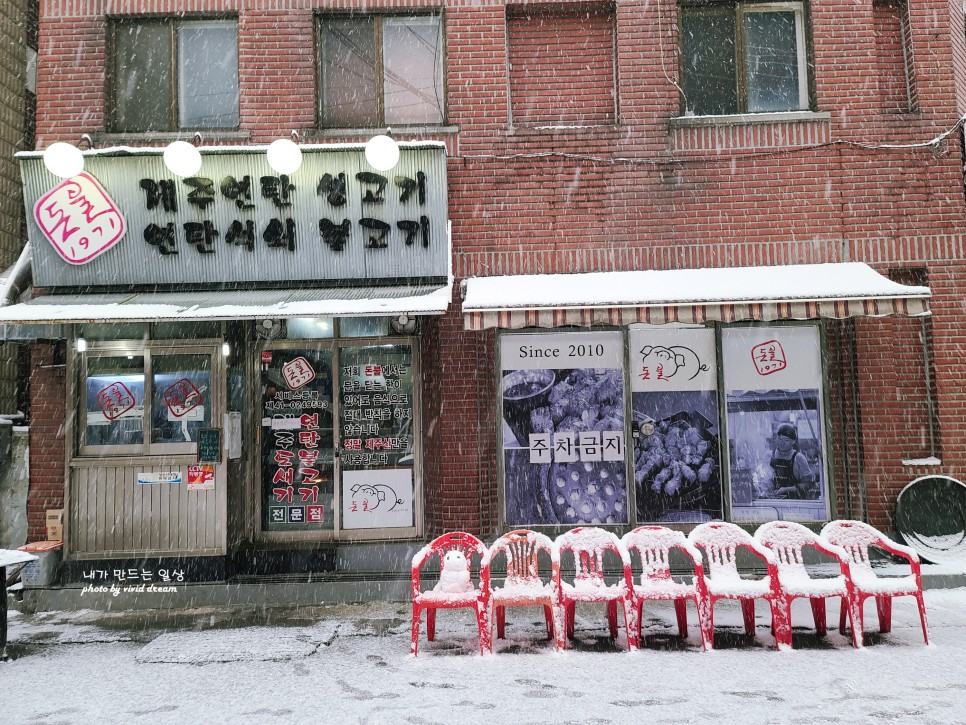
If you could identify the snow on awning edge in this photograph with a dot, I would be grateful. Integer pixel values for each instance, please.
(798, 292)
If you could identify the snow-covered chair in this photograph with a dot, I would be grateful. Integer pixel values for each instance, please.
(457, 552)
(787, 540)
(653, 545)
(720, 543)
(588, 546)
(524, 586)
(856, 538)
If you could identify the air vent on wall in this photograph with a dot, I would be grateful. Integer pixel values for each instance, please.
(270, 329)
(404, 324)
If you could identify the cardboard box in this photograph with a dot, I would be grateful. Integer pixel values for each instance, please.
(55, 524)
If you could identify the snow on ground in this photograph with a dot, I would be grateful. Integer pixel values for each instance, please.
(351, 664)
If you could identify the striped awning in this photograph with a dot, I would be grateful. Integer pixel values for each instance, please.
(695, 296)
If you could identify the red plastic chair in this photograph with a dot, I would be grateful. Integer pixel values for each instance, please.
(856, 538)
(653, 545)
(787, 539)
(588, 546)
(720, 542)
(477, 598)
(523, 586)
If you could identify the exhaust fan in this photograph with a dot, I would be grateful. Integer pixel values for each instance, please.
(404, 324)
(270, 329)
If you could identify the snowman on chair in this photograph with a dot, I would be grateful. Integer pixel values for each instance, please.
(454, 576)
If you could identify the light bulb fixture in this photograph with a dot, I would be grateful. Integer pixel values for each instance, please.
(284, 155)
(382, 151)
(63, 159)
(182, 158)
(81, 344)
(226, 349)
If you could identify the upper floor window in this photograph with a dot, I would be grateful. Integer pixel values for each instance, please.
(169, 74)
(381, 70)
(744, 57)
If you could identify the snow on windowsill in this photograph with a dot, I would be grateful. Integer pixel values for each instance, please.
(930, 461)
(743, 119)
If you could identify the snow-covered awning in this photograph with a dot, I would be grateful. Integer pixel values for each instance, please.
(231, 304)
(790, 292)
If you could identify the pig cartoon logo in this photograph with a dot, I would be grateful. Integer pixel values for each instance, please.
(663, 363)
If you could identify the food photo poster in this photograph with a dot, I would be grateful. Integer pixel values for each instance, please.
(563, 428)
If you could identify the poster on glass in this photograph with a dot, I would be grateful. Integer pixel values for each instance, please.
(378, 441)
(773, 382)
(675, 427)
(563, 428)
(296, 430)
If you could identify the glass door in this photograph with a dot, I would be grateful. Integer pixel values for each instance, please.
(378, 441)
(297, 440)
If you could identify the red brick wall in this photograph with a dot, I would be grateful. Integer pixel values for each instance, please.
(894, 82)
(47, 478)
(561, 67)
(650, 192)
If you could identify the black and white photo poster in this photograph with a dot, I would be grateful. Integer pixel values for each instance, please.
(776, 453)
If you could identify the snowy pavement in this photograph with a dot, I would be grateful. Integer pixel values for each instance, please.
(351, 664)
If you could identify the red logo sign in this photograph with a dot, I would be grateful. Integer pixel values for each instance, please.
(79, 219)
(182, 397)
(297, 373)
(769, 357)
(266, 356)
(199, 475)
(115, 400)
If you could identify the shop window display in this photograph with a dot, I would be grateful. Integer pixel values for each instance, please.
(564, 430)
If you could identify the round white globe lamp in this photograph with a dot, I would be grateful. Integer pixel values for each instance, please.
(182, 158)
(284, 156)
(382, 152)
(63, 159)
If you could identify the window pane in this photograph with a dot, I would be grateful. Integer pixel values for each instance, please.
(708, 58)
(142, 76)
(349, 93)
(771, 61)
(309, 328)
(182, 330)
(181, 397)
(297, 459)
(114, 331)
(378, 440)
(363, 326)
(114, 413)
(413, 61)
(208, 74)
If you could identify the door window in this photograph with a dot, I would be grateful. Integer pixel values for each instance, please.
(297, 440)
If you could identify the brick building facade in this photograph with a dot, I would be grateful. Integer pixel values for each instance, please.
(573, 146)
